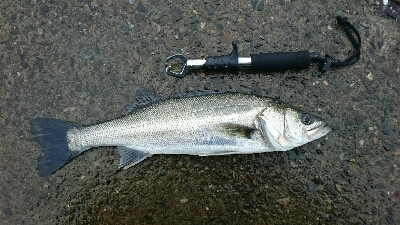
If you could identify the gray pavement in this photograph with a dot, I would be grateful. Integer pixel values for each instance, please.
(81, 61)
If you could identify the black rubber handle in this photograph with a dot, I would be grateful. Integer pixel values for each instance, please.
(224, 62)
(280, 60)
(221, 63)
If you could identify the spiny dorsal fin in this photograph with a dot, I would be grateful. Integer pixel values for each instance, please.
(200, 93)
(143, 98)
(236, 130)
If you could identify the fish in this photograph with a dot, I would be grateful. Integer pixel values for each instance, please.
(203, 124)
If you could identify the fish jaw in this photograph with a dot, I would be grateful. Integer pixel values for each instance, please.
(285, 141)
(318, 132)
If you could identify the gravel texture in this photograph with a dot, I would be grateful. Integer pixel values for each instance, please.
(81, 61)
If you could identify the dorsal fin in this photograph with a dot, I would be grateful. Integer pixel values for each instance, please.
(200, 93)
(143, 98)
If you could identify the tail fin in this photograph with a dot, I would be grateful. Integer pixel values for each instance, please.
(52, 136)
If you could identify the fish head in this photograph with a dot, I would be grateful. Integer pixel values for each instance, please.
(286, 127)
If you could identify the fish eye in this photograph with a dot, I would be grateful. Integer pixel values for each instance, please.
(306, 119)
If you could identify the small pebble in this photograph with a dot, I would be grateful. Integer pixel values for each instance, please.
(261, 6)
(370, 76)
(162, 172)
(129, 40)
(129, 23)
(202, 25)
(90, 56)
(338, 188)
(312, 186)
(175, 14)
(283, 201)
(141, 8)
(158, 27)
(247, 213)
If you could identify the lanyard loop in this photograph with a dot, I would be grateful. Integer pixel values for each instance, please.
(327, 62)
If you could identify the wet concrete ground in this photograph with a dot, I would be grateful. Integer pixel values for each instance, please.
(82, 61)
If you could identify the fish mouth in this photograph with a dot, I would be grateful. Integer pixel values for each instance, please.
(318, 132)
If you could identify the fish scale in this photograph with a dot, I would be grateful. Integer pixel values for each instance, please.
(169, 123)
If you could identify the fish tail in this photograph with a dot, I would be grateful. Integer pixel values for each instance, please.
(51, 134)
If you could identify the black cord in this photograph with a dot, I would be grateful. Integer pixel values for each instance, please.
(327, 62)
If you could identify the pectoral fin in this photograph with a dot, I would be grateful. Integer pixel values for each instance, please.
(130, 157)
(236, 130)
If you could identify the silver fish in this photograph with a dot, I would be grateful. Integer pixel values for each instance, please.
(200, 124)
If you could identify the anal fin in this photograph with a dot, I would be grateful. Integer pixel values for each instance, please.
(130, 157)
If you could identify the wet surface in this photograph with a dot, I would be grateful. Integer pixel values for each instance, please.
(82, 61)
